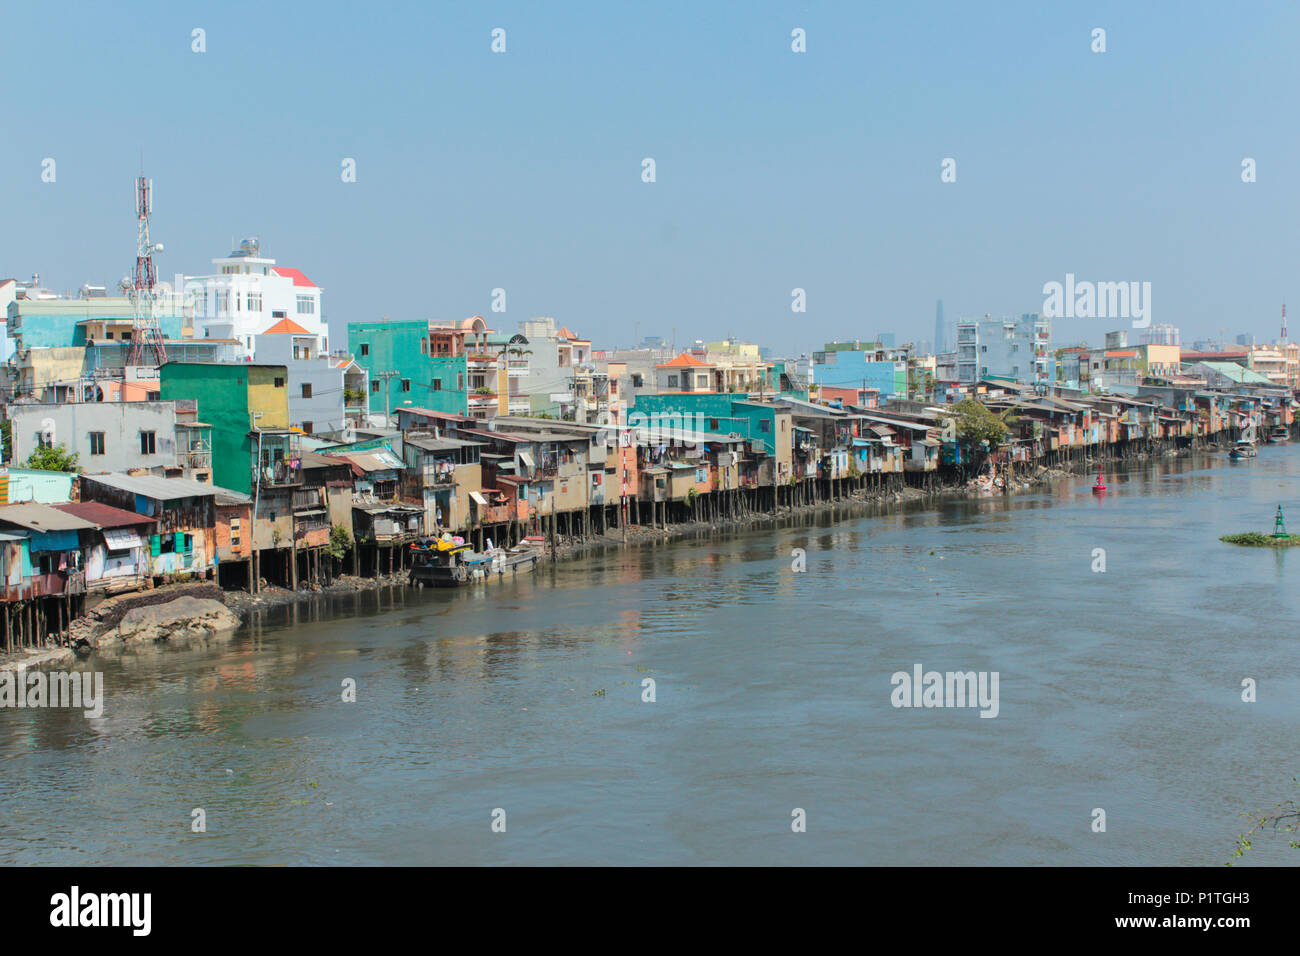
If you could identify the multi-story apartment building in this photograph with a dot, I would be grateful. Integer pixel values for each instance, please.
(861, 365)
(327, 393)
(62, 349)
(248, 293)
(1014, 348)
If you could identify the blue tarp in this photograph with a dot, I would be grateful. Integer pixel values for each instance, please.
(53, 541)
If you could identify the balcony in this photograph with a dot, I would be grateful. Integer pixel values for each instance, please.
(194, 459)
(496, 514)
(277, 474)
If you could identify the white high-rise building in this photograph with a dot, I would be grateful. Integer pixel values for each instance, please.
(248, 294)
(1015, 348)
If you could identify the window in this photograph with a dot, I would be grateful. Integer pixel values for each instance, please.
(306, 305)
(713, 424)
(223, 301)
(108, 335)
(254, 302)
(437, 385)
(672, 381)
(97, 443)
(147, 444)
(279, 314)
(306, 389)
(306, 426)
(765, 425)
(460, 381)
(279, 382)
(374, 385)
(424, 346)
(365, 349)
(636, 380)
(406, 384)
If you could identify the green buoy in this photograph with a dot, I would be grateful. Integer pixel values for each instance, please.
(1279, 526)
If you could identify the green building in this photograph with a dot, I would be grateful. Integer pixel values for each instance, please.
(401, 347)
(235, 399)
(716, 413)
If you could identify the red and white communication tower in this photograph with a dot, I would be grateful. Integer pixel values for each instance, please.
(1283, 340)
(144, 300)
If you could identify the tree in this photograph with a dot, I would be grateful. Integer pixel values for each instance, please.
(976, 425)
(53, 458)
(340, 542)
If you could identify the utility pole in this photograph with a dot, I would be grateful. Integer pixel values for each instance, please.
(254, 562)
(386, 376)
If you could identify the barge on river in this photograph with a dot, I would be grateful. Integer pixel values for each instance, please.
(450, 563)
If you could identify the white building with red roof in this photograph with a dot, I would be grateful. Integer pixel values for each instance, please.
(248, 294)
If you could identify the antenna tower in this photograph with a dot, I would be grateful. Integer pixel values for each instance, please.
(144, 297)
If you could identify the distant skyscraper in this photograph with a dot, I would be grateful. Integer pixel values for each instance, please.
(1161, 335)
(940, 330)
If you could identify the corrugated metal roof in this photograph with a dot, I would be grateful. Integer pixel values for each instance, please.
(37, 517)
(102, 515)
(379, 459)
(151, 486)
(440, 444)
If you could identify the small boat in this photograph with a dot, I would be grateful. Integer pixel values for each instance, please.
(1242, 450)
(451, 563)
(1278, 434)
(1099, 486)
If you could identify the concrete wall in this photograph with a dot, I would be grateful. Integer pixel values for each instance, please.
(324, 408)
(121, 424)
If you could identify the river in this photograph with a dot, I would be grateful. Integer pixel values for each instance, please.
(1119, 690)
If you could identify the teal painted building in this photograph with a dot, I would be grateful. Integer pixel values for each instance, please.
(708, 413)
(423, 381)
(60, 323)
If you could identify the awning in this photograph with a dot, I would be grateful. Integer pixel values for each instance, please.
(482, 502)
(121, 539)
(52, 541)
(309, 512)
(527, 459)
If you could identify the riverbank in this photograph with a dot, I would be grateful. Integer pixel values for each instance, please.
(104, 627)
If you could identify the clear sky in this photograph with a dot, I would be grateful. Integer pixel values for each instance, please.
(775, 170)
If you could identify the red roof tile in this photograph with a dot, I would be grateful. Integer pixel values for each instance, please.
(685, 360)
(294, 274)
(286, 327)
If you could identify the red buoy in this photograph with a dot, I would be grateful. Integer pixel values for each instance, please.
(1099, 487)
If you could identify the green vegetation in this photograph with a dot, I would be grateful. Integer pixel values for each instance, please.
(340, 542)
(1253, 539)
(53, 458)
(1283, 818)
(976, 425)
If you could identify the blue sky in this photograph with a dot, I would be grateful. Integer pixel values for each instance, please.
(775, 170)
